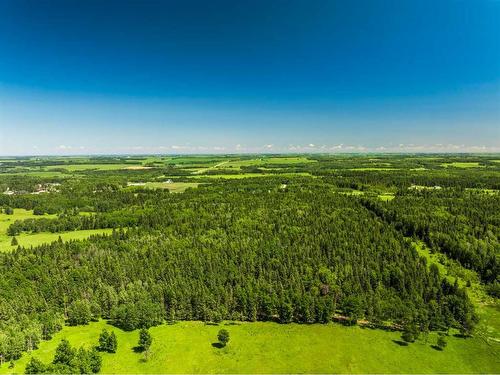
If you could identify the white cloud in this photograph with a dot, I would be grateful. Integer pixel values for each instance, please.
(177, 147)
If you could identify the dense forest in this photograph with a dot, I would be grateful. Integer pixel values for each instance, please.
(281, 248)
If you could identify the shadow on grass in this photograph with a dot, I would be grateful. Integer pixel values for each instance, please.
(138, 349)
(400, 343)
(211, 324)
(435, 347)
(217, 345)
(232, 324)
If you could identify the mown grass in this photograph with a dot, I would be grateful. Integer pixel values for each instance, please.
(186, 347)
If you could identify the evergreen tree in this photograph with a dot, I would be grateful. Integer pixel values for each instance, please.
(112, 343)
(223, 337)
(145, 339)
(65, 353)
(35, 366)
(441, 342)
(104, 340)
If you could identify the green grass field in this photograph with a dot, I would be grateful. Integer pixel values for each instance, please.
(27, 239)
(386, 197)
(100, 167)
(174, 187)
(35, 173)
(246, 175)
(236, 164)
(186, 347)
(6, 220)
(462, 165)
(19, 214)
(268, 161)
(363, 169)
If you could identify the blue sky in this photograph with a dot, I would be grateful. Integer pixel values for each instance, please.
(81, 77)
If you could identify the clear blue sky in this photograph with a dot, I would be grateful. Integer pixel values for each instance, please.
(79, 77)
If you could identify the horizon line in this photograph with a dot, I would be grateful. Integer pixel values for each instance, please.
(485, 153)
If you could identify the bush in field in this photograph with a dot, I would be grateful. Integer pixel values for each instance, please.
(223, 337)
(145, 340)
(441, 342)
(107, 342)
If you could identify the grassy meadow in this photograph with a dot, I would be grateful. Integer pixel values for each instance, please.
(469, 164)
(35, 239)
(187, 347)
(173, 187)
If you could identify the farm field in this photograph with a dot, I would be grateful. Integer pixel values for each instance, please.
(186, 347)
(374, 169)
(101, 167)
(247, 175)
(289, 161)
(463, 165)
(173, 187)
